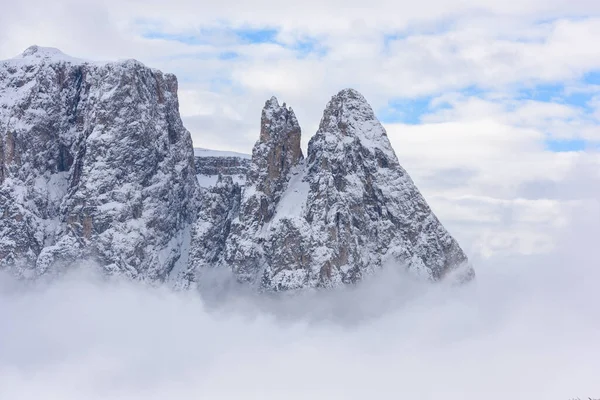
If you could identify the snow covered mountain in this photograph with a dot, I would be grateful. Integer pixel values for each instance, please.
(96, 164)
(345, 211)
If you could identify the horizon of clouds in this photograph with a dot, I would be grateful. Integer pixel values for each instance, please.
(492, 107)
(526, 328)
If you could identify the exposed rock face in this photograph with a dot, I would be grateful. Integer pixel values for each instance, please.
(217, 207)
(216, 164)
(345, 212)
(275, 157)
(95, 163)
(370, 210)
(210, 164)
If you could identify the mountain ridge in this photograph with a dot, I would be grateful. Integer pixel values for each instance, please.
(95, 163)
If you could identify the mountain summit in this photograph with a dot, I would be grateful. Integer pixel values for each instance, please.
(341, 214)
(95, 164)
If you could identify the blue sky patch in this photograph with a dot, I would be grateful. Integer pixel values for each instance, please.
(257, 35)
(407, 111)
(303, 47)
(307, 46)
(410, 111)
(223, 43)
(228, 55)
(556, 93)
(566, 145)
(548, 93)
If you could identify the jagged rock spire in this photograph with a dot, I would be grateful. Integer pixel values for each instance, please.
(274, 155)
(107, 172)
(346, 212)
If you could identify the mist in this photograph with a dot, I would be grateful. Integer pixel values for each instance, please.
(526, 328)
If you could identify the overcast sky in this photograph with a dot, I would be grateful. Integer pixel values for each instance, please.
(492, 106)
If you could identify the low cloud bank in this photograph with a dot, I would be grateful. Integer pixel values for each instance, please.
(527, 328)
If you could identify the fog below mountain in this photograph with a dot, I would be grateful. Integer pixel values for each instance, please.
(526, 328)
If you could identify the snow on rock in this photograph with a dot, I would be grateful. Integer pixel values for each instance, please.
(210, 164)
(94, 163)
(275, 157)
(342, 213)
(217, 206)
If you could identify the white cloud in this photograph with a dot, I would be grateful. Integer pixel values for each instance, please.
(526, 328)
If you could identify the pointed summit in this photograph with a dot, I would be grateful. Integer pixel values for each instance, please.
(278, 123)
(349, 115)
(366, 201)
(349, 99)
(276, 152)
(275, 157)
(272, 103)
(280, 132)
(350, 94)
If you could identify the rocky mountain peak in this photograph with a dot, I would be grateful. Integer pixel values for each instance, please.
(347, 211)
(348, 104)
(276, 157)
(277, 151)
(349, 134)
(279, 126)
(95, 164)
(349, 115)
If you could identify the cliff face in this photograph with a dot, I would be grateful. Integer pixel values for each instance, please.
(95, 163)
(275, 158)
(342, 213)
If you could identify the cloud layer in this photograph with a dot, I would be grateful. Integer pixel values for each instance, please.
(526, 328)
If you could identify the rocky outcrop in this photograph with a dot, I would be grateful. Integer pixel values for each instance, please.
(95, 163)
(346, 211)
(217, 206)
(275, 157)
